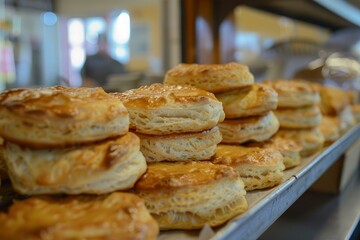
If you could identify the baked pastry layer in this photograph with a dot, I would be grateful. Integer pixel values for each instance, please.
(114, 216)
(333, 100)
(3, 168)
(294, 93)
(289, 149)
(355, 109)
(60, 116)
(241, 130)
(113, 164)
(158, 109)
(311, 140)
(180, 146)
(214, 78)
(330, 128)
(259, 168)
(306, 117)
(190, 195)
(247, 101)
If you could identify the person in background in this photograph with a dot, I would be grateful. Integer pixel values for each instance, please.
(98, 67)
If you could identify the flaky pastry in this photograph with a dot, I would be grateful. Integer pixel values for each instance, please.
(247, 101)
(189, 195)
(241, 130)
(114, 216)
(158, 109)
(60, 116)
(113, 164)
(180, 146)
(214, 78)
(259, 168)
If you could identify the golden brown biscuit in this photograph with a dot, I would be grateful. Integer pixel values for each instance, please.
(259, 168)
(305, 117)
(355, 109)
(330, 128)
(214, 78)
(113, 164)
(253, 100)
(59, 116)
(289, 149)
(311, 139)
(181, 146)
(190, 195)
(114, 216)
(333, 100)
(3, 168)
(293, 93)
(242, 130)
(160, 110)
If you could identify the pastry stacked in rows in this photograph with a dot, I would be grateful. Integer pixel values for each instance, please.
(248, 117)
(178, 132)
(335, 107)
(299, 114)
(61, 140)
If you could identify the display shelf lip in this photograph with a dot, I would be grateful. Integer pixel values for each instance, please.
(325, 159)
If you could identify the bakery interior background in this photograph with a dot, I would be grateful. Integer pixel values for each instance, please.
(44, 43)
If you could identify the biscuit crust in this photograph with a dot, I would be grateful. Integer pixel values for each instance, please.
(190, 195)
(214, 78)
(181, 146)
(305, 117)
(241, 130)
(295, 93)
(158, 109)
(113, 164)
(114, 216)
(259, 168)
(253, 100)
(60, 116)
(311, 140)
(289, 149)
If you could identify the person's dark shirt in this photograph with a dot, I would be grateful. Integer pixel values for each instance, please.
(99, 67)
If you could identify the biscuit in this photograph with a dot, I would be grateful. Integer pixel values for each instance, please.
(242, 130)
(259, 168)
(114, 216)
(333, 100)
(311, 139)
(189, 195)
(181, 146)
(252, 100)
(289, 149)
(355, 109)
(330, 128)
(305, 117)
(158, 109)
(60, 116)
(214, 78)
(113, 164)
(3, 168)
(292, 93)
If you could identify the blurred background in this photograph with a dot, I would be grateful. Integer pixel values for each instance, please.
(48, 42)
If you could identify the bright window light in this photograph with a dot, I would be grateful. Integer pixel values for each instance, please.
(76, 32)
(121, 29)
(77, 56)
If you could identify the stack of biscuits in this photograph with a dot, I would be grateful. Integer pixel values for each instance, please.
(178, 132)
(299, 114)
(248, 117)
(62, 140)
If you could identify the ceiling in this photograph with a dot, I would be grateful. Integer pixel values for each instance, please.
(315, 12)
